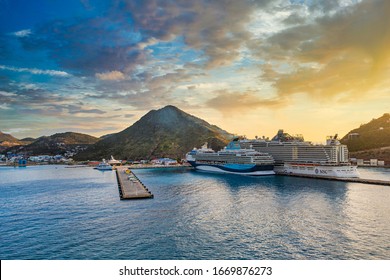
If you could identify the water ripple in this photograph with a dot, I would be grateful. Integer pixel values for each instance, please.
(58, 213)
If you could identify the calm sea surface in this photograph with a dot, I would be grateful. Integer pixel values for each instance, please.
(53, 212)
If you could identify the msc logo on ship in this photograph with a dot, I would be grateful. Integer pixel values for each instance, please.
(321, 171)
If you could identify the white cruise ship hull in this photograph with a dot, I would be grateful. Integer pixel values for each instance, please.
(232, 160)
(239, 169)
(214, 169)
(339, 171)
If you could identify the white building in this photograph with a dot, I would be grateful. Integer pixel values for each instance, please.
(164, 161)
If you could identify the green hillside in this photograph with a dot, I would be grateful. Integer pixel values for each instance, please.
(167, 132)
(7, 140)
(58, 143)
(373, 135)
(7, 137)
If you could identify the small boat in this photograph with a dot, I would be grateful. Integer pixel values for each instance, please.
(103, 166)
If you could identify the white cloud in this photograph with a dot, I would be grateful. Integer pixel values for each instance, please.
(204, 86)
(16, 130)
(265, 23)
(110, 76)
(22, 33)
(4, 106)
(29, 86)
(36, 71)
(150, 42)
(5, 93)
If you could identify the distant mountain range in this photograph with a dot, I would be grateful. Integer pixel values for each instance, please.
(170, 132)
(370, 140)
(58, 143)
(7, 141)
(167, 132)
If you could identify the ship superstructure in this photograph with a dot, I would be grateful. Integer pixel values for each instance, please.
(232, 159)
(293, 155)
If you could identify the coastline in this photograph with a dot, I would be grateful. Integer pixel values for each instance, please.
(362, 180)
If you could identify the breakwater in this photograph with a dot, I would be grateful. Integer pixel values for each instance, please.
(130, 187)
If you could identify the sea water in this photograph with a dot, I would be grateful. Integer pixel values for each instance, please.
(54, 212)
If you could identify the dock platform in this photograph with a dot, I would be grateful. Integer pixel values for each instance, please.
(130, 187)
(350, 180)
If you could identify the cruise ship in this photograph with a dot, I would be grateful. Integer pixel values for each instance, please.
(232, 159)
(293, 155)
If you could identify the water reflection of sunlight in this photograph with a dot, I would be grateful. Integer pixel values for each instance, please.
(368, 219)
(263, 216)
(376, 173)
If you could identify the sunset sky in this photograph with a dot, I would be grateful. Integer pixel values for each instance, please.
(311, 67)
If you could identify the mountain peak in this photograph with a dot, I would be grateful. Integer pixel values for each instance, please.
(168, 116)
(7, 140)
(7, 137)
(170, 107)
(166, 132)
(169, 110)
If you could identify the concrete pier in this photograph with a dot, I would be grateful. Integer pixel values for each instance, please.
(130, 187)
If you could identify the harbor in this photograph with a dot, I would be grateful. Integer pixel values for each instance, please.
(53, 212)
(135, 185)
(130, 187)
(360, 180)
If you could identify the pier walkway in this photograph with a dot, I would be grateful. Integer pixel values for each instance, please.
(130, 187)
(351, 180)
